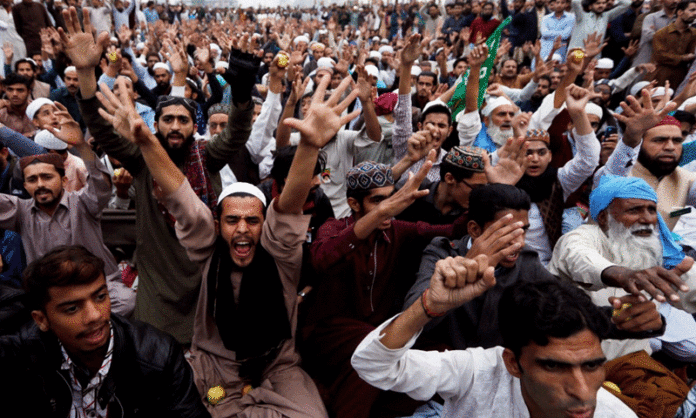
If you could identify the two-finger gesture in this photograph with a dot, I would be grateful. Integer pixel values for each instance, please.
(120, 112)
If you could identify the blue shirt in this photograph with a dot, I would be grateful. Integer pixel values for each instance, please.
(553, 27)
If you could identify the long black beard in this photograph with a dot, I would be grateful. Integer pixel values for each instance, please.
(655, 167)
(178, 155)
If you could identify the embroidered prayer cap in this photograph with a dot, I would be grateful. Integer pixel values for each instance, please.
(538, 135)
(618, 187)
(218, 108)
(165, 101)
(470, 158)
(241, 187)
(325, 63)
(385, 103)
(53, 159)
(49, 141)
(369, 175)
(317, 46)
(35, 105)
(667, 121)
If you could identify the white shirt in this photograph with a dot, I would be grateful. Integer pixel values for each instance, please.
(473, 382)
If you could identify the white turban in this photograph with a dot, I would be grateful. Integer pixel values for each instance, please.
(493, 103)
(241, 187)
(35, 105)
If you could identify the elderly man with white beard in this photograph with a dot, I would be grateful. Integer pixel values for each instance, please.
(630, 250)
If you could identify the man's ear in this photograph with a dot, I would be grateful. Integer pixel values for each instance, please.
(449, 179)
(355, 206)
(603, 219)
(486, 119)
(473, 229)
(511, 364)
(217, 227)
(41, 320)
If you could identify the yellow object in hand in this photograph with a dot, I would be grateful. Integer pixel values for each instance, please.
(215, 395)
(619, 311)
(578, 55)
(283, 60)
(119, 171)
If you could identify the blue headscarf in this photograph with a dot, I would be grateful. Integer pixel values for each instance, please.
(616, 187)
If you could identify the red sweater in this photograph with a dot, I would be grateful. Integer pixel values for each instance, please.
(485, 28)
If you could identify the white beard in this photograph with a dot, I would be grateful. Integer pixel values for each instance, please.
(632, 251)
(499, 136)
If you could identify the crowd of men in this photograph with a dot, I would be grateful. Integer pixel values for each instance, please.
(468, 209)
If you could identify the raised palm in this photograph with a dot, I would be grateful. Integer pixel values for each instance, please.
(324, 118)
(412, 50)
(120, 112)
(80, 46)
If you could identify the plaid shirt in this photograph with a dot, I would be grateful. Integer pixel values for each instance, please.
(85, 403)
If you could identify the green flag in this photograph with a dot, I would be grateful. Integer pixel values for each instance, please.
(458, 101)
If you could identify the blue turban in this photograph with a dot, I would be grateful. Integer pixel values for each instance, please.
(616, 187)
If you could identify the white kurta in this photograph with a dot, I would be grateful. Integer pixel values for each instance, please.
(473, 382)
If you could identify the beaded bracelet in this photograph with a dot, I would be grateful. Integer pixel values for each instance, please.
(430, 314)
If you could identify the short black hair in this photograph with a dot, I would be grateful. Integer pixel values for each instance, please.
(14, 78)
(486, 201)
(685, 117)
(545, 77)
(283, 160)
(682, 5)
(536, 311)
(428, 74)
(65, 265)
(28, 61)
(437, 108)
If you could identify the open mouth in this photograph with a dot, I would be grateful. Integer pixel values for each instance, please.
(97, 336)
(242, 248)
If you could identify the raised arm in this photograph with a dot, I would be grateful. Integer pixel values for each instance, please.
(319, 126)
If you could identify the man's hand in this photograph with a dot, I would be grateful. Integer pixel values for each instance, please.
(631, 49)
(457, 280)
(70, 131)
(124, 36)
(412, 50)
(594, 45)
(8, 49)
(121, 114)
(419, 145)
(122, 181)
(497, 241)
(477, 57)
(641, 316)
(324, 118)
(83, 49)
(363, 86)
(659, 282)
(639, 116)
(574, 67)
(520, 123)
(175, 54)
(577, 98)
(512, 162)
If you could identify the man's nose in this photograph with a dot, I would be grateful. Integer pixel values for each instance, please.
(579, 388)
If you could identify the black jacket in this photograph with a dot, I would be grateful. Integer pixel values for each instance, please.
(149, 376)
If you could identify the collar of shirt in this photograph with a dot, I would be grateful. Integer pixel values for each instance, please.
(63, 202)
(86, 398)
